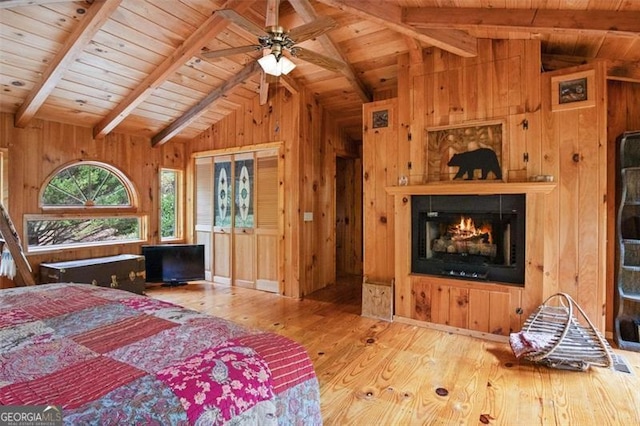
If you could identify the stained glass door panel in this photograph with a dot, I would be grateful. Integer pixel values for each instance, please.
(222, 203)
(222, 218)
(243, 232)
(243, 196)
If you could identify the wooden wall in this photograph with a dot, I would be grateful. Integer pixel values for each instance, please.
(317, 168)
(565, 246)
(311, 143)
(380, 152)
(347, 172)
(574, 150)
(252, 124)
(501, 83)
(348, 215)
(36, 151)
(436, 89)
(623, 114)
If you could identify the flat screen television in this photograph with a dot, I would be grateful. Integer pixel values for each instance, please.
(174, 264)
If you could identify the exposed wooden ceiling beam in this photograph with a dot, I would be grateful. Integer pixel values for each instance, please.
(623, 71)
(5, 4)
(616, 70)
(415, 50)
(188, 117)
(387, 14)
(96, 16)
(308, 14)
(584, 22)
(212, 27)
(556, 62)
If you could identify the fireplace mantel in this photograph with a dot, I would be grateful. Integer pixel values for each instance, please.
(473, 188)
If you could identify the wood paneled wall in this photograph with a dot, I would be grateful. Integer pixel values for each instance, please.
(574, 151)
(348, 190)
(565, 234)
(317, 237)
(36, 151)
(380, 152)
(348, 216)
(253, 124)
(311, 142)
(501, 83)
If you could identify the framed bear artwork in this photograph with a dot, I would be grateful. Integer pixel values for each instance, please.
(468, 151)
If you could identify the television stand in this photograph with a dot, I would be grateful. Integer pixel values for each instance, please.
(174, 283)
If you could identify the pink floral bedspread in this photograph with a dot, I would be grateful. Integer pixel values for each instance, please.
(112, 357)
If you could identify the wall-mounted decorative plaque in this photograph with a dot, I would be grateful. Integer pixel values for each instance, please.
(380, 119)
(572, 91)
(469, 151)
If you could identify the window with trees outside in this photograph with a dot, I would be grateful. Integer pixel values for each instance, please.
(170, 205)
(87, 203)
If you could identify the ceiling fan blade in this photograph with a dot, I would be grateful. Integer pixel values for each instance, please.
(230, 51)
(312, 29)
(318, 59)
(242, 22)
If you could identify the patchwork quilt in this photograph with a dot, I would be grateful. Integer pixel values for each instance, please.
(107, 356)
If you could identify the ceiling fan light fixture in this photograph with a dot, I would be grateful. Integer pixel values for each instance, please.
(277, 66)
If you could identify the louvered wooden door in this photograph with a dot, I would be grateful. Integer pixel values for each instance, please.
(203, 208)
(238, 217)
(267, 219)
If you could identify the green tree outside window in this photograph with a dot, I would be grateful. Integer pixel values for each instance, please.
(169, 204)
(83, 190)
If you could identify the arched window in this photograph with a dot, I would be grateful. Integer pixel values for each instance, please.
(86, 203)
(87, 184)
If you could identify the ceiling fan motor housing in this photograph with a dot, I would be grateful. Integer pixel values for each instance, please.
(277, 40)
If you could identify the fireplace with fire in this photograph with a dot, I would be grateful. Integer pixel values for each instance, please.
(471, 237)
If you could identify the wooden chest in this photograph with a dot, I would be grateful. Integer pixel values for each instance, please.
(125, 271)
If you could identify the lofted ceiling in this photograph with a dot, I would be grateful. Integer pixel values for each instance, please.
(136, 66)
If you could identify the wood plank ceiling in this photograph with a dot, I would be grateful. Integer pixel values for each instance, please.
(134, 66)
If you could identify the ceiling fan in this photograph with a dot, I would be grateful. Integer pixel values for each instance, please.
(275, 40)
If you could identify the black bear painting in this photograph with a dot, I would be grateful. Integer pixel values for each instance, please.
(484, 159)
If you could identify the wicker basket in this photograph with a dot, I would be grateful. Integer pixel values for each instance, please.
(571, 345)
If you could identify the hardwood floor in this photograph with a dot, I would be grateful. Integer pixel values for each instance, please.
(378, 373)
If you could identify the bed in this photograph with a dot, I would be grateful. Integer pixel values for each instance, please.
(107, 356)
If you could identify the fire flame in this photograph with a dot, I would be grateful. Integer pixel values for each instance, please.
(466, 229)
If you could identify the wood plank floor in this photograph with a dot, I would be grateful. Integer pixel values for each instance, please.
(378, 373)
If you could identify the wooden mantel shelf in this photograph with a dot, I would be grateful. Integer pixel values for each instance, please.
(473, 188)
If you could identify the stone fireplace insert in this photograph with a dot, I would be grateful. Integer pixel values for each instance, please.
(470, 237)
